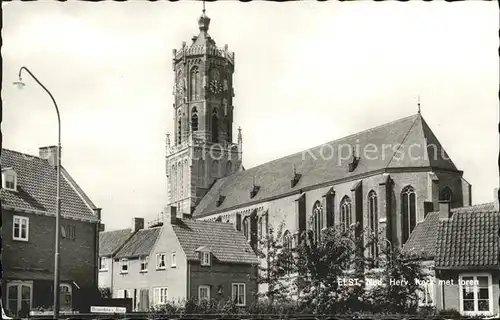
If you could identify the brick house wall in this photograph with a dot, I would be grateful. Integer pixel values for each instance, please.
(78, 259)
(222, 275)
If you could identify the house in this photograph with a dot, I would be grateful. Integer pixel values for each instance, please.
(462, 246)
(110, 242)
(180, 259)
(28, 198)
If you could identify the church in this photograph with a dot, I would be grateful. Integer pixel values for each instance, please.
(386, 178)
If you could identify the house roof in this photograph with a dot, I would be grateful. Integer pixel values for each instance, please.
(36, 188)
(112, 241)
(140, 244)
(423, 239)
(469, 239)
(225, 243)
(418, 147)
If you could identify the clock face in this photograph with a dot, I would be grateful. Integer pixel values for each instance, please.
(216, 87)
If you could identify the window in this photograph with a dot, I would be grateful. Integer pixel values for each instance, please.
(238, 294)
(246, 228)
(160, 295)
(20, 228)
(203, 293)
(476, 296)
(205, 258)
(195, 83)
(65, 296)
(68, 232)
(215, 126)
(124, 265)
(408, 212)
(317, 221)
(345, 213)
(9, 180)
(19, 297)
(373, 223)
(144, 263)
(103, 264)
(229, 167)
(288, 245)
(446, 194)
(194, 122)
(179, 131)
(160, 261)
(261, 227)
(173, 260)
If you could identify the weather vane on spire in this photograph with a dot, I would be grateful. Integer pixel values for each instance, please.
(203, 6)
(418, 104)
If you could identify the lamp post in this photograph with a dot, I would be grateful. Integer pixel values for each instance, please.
(20, 85)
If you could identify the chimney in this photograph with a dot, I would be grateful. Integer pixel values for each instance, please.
(496, 196)
(101, 227)
(49, 154)
(171, 215)
(137, 224)
(444, 210)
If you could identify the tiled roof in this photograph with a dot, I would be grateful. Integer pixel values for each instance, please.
(469, 239)
(111, 241)
(423, 239)
(36, 187)
(317, 165)
(226, 244)
(140, 244)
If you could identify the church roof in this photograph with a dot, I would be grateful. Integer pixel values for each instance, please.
(404, 143)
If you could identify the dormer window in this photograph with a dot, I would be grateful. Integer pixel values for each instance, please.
(205, 258)
(205, 255)
(220, 200)
(295, 178)
(254, 191)
(354, 161)
(9, 179)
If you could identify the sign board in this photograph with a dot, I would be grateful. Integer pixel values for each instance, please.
(95, 309)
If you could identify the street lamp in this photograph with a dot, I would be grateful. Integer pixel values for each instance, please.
(20, 84)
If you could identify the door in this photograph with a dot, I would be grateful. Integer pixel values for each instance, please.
(144, 300)
(19, 297)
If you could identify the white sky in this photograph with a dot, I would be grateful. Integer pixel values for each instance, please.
(306, 73)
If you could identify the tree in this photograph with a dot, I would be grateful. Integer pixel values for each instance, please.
(323, 265)
(275, 266)
(401, 278)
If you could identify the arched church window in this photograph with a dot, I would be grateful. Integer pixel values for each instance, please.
(246, 228)
(195, 81)
(194, 122)
(288, 245)
(446, 194)
(373, 221)
(228, 130)
(180, 181)
(172, 182)
(215, 126)
(345, 213)
(229, 167)
(215, 169)
(408, 212)
(317, 220)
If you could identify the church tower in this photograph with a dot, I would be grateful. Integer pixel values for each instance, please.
(202, 148)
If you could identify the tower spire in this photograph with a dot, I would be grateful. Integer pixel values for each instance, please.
(418, 104)
(203, 7)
